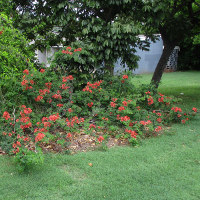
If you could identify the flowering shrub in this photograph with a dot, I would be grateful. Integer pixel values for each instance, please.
(79, 62)
(54, 111)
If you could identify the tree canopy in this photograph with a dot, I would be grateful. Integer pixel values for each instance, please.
(174, 20)
(112, 27)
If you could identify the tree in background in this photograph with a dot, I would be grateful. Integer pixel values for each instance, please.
(189, 56)
(175, 20)
(112, 27)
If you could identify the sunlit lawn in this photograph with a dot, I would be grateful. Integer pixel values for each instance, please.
(166, 167)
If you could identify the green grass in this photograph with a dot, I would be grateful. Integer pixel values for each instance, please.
(176, 83)
(166, 167)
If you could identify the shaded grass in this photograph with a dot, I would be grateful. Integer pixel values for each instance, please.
(166, 167)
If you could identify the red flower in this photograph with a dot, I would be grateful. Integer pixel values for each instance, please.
(38, 98)
(27, 110)
(106, 119)
(6, 115)
(121, 108)
(138, 107)
(194, 109)
(24, 82)
(1, 32)
(133, 134)
(82, 119)
(176, 109)
(26, 139)
(125, 76)
(69, 135)
(161, 94)
(159, 114)
(64, 87)
(90, 104)
(39, 137)
(70, 110)
(100, 138)
(124, 103)
(150, 100)
(48, 85)
(47, 124)
(31, 82)
(14, 145)
(159, 120)
(112, 104)
(79, 49)
(54, 117)
(148, 92)
(66, 51)
(16, 151)
(49, 100)
(43, 92)
(42, 70)
(65, 79)
(70, 77)
(18, 143)
(158, 128)
(114, 99)
(60, 105)
(26, 71)
(183, 121)
(145, 123)
(57, 96)
(125, 118)
(160, 99)
(92, 126)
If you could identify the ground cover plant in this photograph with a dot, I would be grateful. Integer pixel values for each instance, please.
(163, 167)
(53, 107)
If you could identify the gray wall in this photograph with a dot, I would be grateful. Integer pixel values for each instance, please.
(147, 63)
(148, 59)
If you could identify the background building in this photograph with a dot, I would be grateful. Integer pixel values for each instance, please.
(147, 63)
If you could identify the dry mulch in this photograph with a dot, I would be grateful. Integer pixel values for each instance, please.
(80, 142)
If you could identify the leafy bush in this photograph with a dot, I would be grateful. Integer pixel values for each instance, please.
(50, 109)
(79, 62)
(15, 53)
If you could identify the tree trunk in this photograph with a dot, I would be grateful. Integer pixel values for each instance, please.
(168, 48)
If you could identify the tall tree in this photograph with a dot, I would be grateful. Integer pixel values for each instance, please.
(111, 26)
(174, 20)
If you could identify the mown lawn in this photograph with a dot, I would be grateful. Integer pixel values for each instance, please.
(166, 167)
(185, 85)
